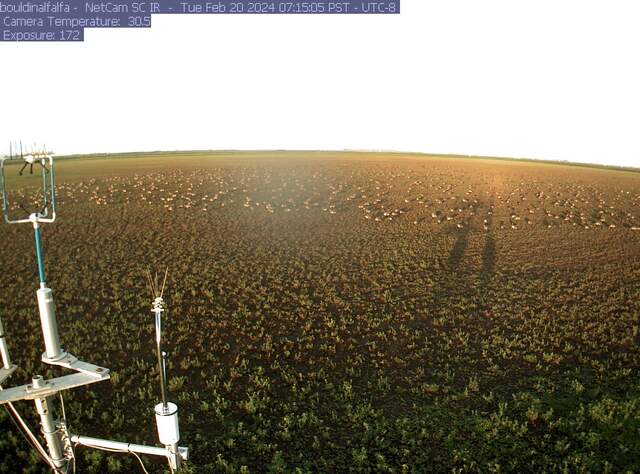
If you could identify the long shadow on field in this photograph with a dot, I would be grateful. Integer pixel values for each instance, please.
(457, 252)
(452, 281)
(488, 254)
(462, 288)
(488, 259)
(486, 272)
(460, 281)
(488, 264)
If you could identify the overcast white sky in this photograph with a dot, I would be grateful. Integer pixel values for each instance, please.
(542, 78)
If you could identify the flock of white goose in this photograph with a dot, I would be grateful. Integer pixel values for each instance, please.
(376, 195)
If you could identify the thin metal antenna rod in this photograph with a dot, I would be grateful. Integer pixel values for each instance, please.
(164, 371)
(161, 362)
(36, 229)
(166, 412)
(158, 309)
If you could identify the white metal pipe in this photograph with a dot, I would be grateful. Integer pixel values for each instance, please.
(174, 458)
(127, 447)
(51, 435)
(4, 351)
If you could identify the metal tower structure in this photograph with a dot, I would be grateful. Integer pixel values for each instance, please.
(59, 442)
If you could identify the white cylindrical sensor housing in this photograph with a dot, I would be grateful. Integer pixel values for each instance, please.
(167, 422)
(49, 324)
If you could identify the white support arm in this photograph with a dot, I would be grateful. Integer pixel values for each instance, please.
(128, 447)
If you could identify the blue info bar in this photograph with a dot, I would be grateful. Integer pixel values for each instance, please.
(65, 20)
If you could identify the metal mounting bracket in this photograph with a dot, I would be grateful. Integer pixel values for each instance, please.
(86, 374)
(70, 361)
(6, 373)
(50, 387)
